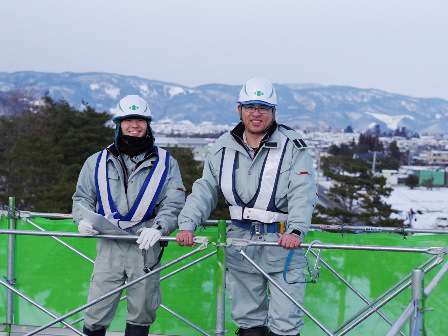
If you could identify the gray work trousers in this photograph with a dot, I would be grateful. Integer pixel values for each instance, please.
(118, 262)
(256, 302)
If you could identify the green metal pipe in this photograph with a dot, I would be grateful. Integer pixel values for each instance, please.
(11, 261)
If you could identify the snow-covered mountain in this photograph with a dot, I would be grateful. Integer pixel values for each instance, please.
(300, 105)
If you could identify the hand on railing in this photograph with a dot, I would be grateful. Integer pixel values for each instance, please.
(185, 238)
(289, 241)
(148, 238)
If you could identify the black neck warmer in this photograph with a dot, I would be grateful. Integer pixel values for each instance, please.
(133, 146)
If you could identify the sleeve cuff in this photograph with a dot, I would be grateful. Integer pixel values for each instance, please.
(187, 226)
(298, 233)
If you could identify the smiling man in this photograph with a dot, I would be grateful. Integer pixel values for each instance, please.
(266, 175)
(137, 187)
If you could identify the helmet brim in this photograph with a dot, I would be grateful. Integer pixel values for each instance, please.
(118, 119)
(259, 102)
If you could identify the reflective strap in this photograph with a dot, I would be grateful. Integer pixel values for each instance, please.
(269, 176)
(145, 202)
(226, 175)
(263, 216)
(152, 190)
(102, 183)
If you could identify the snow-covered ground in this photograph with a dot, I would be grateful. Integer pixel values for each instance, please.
(428, 205)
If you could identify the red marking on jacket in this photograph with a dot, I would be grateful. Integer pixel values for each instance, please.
(303, 173)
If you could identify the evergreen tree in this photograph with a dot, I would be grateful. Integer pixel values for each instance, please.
(392, 158)
(411, 181)
(393, 150)
(368, 142)
(44, 150)
(357, 193)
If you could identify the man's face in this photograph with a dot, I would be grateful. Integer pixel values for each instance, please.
(256, 118)
(134, 127)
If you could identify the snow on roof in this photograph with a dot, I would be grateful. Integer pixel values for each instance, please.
(391, 121)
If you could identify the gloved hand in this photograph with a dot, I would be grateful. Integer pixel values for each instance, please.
(86, 228)
(148, 238)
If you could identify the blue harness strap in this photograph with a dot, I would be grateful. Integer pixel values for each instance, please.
(97, 188)
(285, 268)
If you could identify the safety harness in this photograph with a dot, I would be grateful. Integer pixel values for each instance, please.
(261, 207)
(145, 202)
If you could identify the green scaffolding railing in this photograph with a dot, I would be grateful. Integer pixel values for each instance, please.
(58, 279)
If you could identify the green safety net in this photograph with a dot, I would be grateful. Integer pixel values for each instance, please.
(58, 279)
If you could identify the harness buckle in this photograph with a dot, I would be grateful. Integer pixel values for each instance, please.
(257, 228)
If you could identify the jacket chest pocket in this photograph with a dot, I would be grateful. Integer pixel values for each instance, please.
(112, 175)
(114, 180)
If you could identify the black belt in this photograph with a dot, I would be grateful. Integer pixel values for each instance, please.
(257, 228)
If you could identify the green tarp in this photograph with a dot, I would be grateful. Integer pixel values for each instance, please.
(58, 279)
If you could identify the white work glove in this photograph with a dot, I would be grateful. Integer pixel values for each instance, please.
(148, 238)
(86, 228)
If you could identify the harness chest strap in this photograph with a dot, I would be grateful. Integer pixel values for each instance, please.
(264, 216)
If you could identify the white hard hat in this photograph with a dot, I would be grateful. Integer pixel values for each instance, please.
(132, 106)
(258, 90)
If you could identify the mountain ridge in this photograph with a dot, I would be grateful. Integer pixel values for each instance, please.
(303, 105)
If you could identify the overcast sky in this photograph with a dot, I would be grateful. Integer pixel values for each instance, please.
(398, 46)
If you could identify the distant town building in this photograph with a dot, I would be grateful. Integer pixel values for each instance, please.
(436, 157)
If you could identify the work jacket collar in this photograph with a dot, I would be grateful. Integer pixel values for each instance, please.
(145, 162)
(237, 134)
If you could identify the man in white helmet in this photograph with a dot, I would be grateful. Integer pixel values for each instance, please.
(266, 175)
(137, 187)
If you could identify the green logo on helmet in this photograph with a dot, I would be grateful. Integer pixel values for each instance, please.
(133, 107)
(259, 93)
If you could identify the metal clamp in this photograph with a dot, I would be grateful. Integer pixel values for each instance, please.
(202, 240)
(11, 282)
(23, 214)
(315, 272)
(12, 213)
(438, 250)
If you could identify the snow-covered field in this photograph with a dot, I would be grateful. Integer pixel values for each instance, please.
(428, 205)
